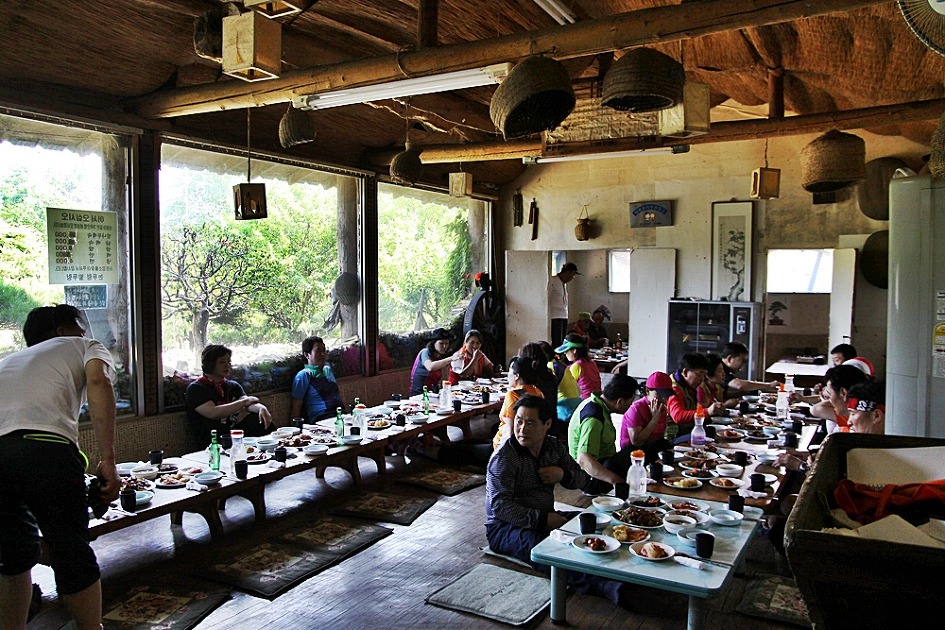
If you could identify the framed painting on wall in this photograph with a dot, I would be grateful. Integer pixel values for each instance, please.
(731, 250)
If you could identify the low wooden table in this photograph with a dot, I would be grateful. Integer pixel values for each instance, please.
(175, 501)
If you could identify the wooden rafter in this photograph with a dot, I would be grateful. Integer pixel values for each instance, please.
(627, 30)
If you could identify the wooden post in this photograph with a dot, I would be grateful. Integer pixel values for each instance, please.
(115, 199)
(347, 234)
(477, 235)
(776, 92)
(427, 23)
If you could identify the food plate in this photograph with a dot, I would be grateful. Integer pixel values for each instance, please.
(418, 418)
(730, 434)
(728, 483)
(444, 412)
(684, 483)
(769, 478)
(646, 518)
(192, 470)
(723, 420)
(753, 513)
(690, 504)
(325, 440)
(687, 452)
(171, 481)
(315, 449)
(628, 535)
(607, 504)
(608, 543)
(378, 425)
(393, 404)
(259, 458)
(639, 550)
(646, 501)
(349, 440)
(701, 517)
(143, 497)
(124, 469)
(700, 474)
(136, 484)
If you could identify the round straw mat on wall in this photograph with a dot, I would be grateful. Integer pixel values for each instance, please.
(872, 193)
(874, 259)
(296, 127)
(643, 80)
(406, 167)
(833, 161)
(937, 158)
(536, 96)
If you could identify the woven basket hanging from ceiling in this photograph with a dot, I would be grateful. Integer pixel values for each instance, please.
(833, 161)
(643, 80)
(937, 159)
(406, 167)
(296, 127)
(536, 96)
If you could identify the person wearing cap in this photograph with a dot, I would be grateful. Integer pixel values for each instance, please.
(315, 389)
(833, 409)
(558, 300)
(596, 333)
(644, 423)
(864, 364)
(682, 404)
(866, 405)
(582, 325)
(592, 436)
(428, 366)
(584, 370)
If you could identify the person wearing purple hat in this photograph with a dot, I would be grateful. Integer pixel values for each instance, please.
(644, 423)
(558, 300)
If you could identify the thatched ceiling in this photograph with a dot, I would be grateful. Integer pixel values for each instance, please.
(98, 59)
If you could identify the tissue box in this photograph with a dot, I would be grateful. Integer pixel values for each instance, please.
(851, 582)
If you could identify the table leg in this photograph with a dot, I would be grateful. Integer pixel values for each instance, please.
(467, 431)
(698, 608)
(559, 598)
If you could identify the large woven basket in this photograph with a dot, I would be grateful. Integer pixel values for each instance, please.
(937, 159)
(406, 167)
(296, 127)
(833, 161)
(536, 96)
(643, 80)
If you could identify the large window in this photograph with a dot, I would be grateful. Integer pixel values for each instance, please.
(81, 175)
(261, 286)
(430, 247)
(800, 271)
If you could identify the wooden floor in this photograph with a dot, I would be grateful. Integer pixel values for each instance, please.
(384, 585)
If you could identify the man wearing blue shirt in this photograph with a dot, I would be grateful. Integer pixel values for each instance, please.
(315, 390)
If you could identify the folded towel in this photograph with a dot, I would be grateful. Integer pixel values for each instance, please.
(690, 562)
(748, 494)
(196, 487)
(274, 464)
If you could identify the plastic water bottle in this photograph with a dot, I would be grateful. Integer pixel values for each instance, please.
(237, 451)
(214, 451)
(697, 437)
(425, 400)
(636, 474)
(339, 423)
(446, 396)
(789, 383)
(782, 406)
(360, 415)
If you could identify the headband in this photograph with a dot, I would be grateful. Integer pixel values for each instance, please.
(857, 404)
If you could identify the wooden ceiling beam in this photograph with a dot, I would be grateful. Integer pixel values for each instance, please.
(626, 30)
(730, 131)
(428, 23)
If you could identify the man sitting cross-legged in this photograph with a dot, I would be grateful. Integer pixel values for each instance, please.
(520, 484)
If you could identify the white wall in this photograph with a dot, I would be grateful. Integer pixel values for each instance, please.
(708, 173)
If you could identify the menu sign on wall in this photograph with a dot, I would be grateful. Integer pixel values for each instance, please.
(83, 246)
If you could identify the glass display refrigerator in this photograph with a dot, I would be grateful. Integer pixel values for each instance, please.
(705, 326)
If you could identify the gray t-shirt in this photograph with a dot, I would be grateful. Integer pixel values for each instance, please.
(43, 388)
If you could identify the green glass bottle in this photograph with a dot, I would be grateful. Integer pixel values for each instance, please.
(214, 451)
(426, 401)
(339, 423)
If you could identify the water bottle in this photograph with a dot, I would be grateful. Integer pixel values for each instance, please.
(636, 474)
(214, 451)
(697, 437)
(783, 404)
(425, 400)
(237, 451)
(789, 383)
(339, 423)
(360, 415)
(446, 396)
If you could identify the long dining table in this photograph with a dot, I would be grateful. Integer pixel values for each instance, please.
(177, 499)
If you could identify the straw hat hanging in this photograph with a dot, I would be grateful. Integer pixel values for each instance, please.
(296, 127)
(643, 80)
(937, 159)
(833, 161)
(536, 96)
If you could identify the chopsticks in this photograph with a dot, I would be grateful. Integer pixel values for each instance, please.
(724, 565)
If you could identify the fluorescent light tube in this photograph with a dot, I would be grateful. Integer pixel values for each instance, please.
(449, 81)
(558, 12)
(679, 148)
